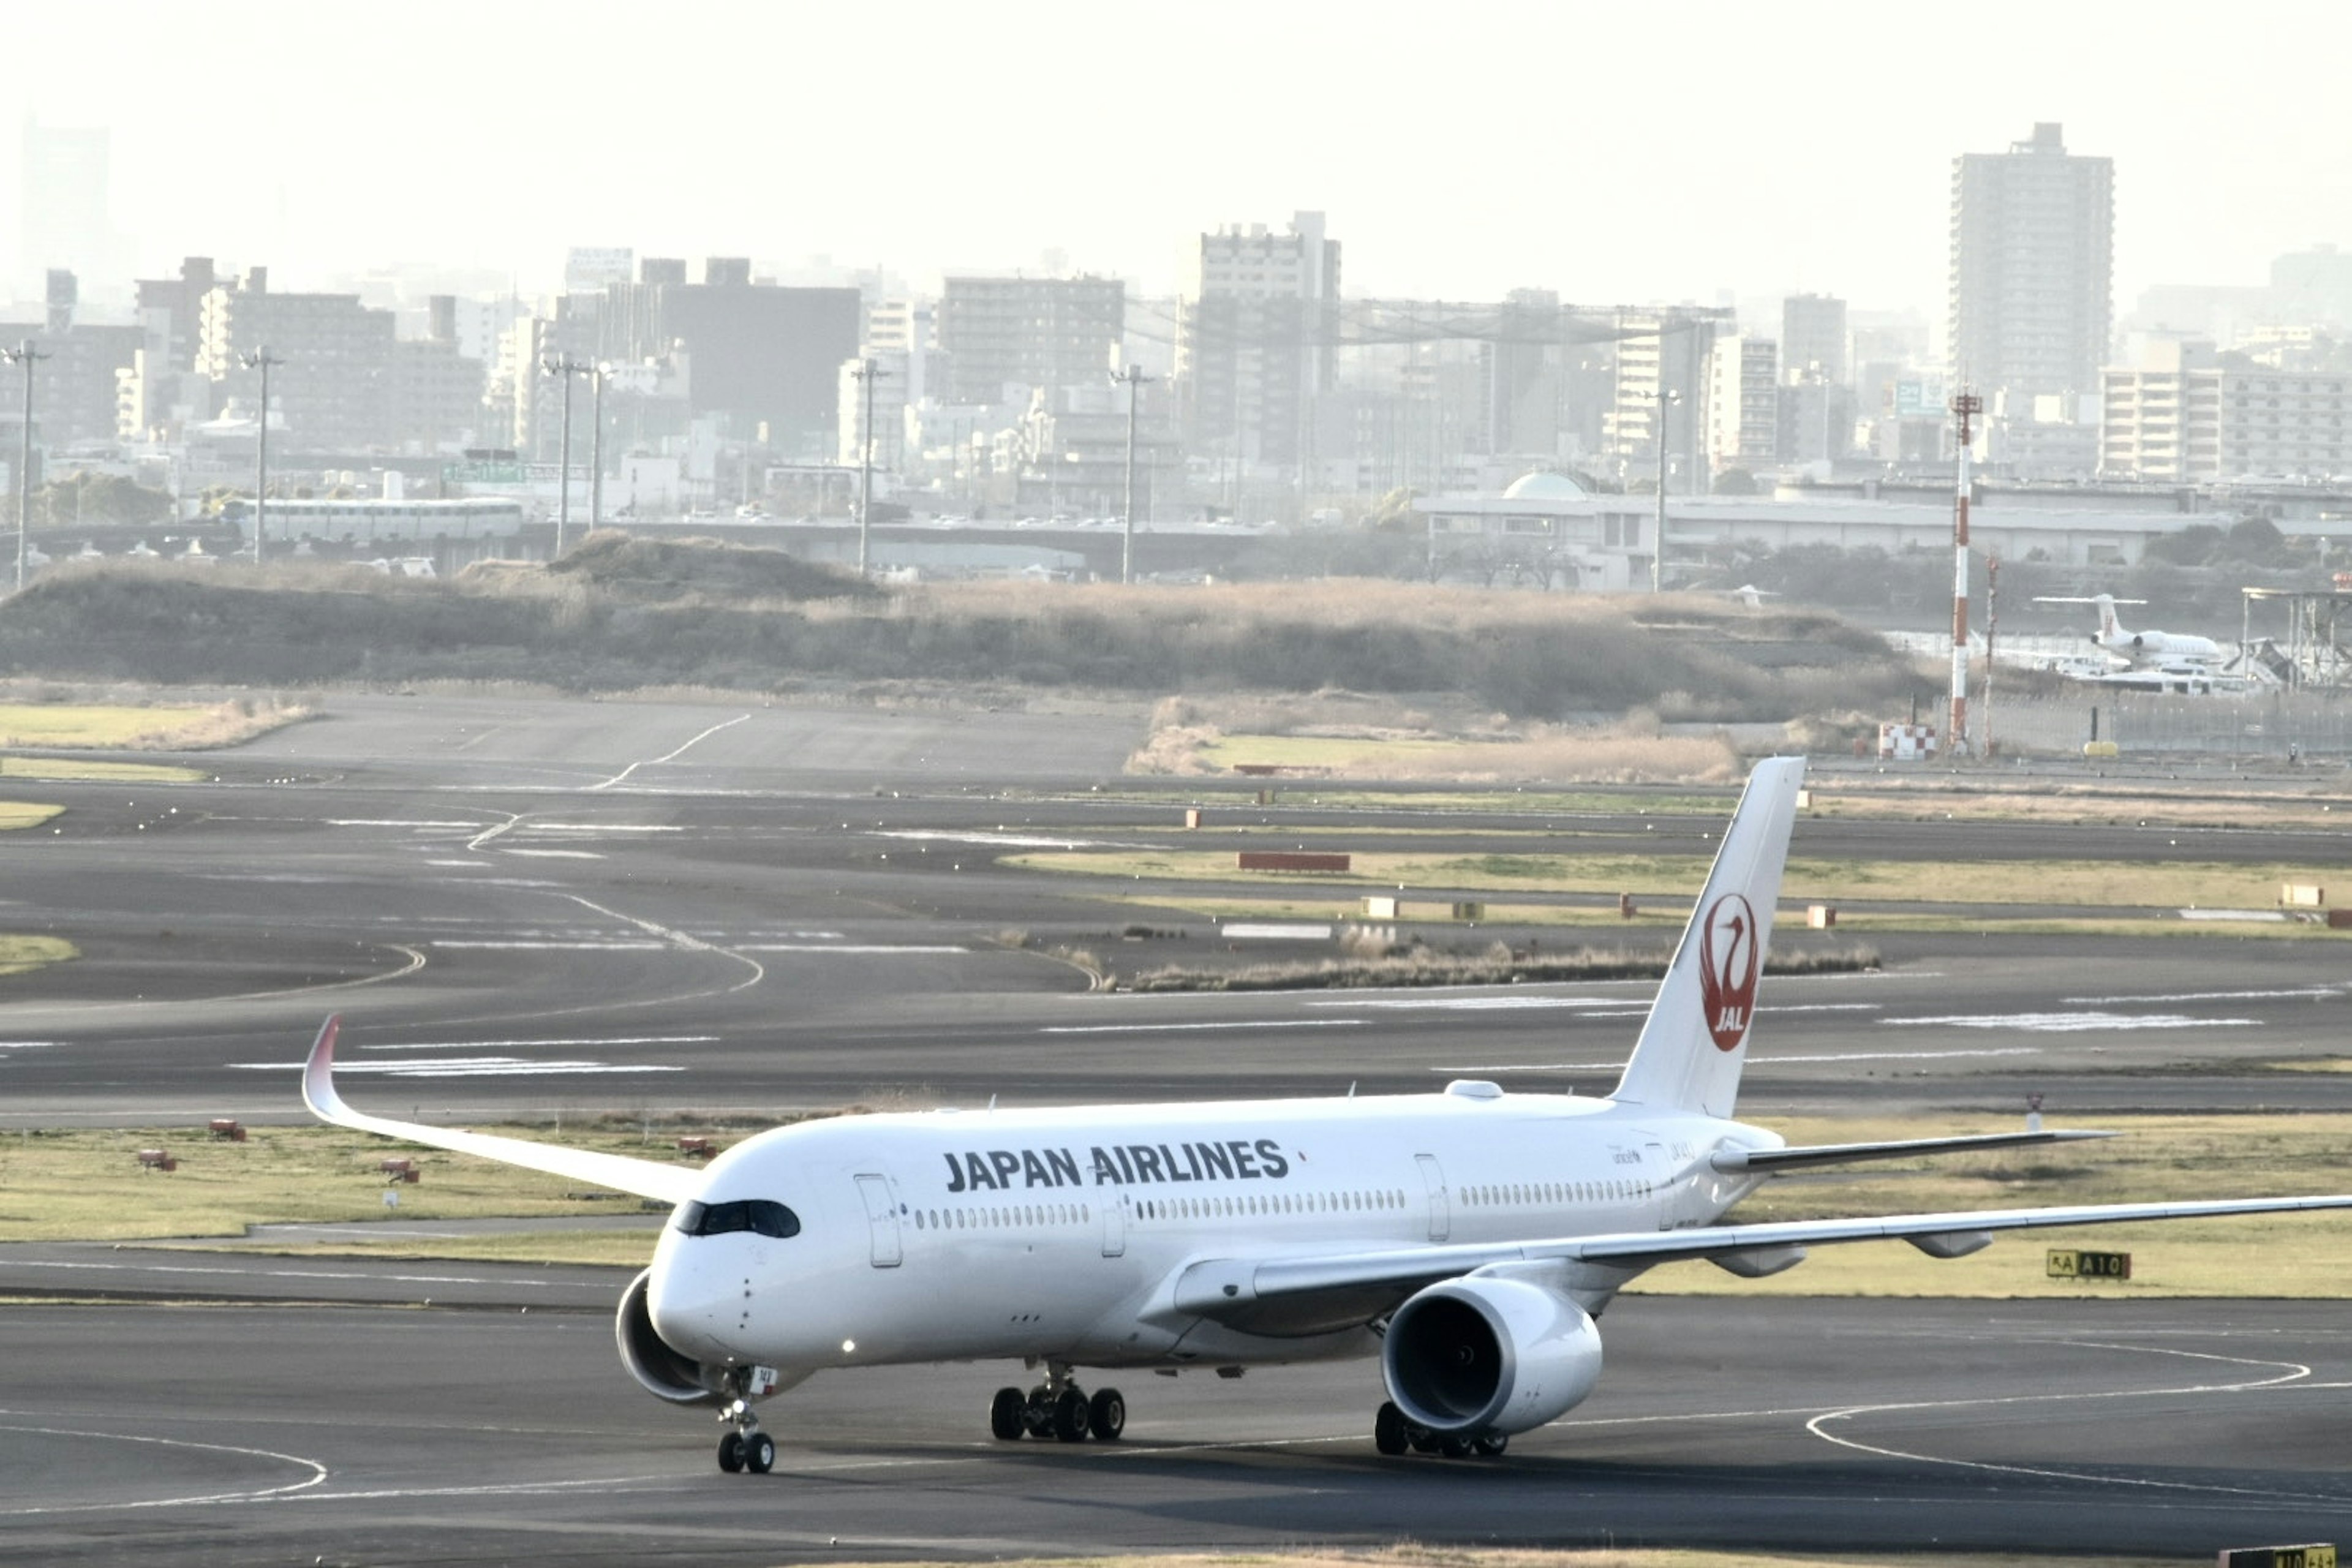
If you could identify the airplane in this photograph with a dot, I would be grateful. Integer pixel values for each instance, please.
(2172, 653)
(1469, 1239)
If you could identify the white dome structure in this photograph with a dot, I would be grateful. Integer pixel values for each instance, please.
(1543, 486)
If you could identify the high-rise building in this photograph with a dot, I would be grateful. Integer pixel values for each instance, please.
(1257, 340)
(1044, 333)
(2187, 413)
(1662, 352)
(2032, 266)
(331, 386)
(1743, 402)
(1813, 336)
(172, 312)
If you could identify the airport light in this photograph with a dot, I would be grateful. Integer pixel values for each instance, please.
(260, 359)
(866, 373)
(1667, 398)
(1133, 378)
(565, 366)
(596, 448)
(26, 354)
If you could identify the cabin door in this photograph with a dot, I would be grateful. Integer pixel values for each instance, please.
(1114, 1217)
(881, 1218)
(1441, 1213)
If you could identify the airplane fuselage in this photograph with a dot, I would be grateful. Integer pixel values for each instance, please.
(1058, 1233)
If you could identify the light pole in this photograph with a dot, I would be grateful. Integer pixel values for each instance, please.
(26, 354)
(597, 448)
(1133, 378)
(1666, 400)
(565, 366)
(866, 373)
(261, 360)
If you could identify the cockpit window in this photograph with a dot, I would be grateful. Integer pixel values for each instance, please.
(757, 1215)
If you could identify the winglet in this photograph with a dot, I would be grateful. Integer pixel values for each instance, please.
(318, 1074)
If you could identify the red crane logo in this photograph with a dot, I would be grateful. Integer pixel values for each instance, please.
(1728, 960)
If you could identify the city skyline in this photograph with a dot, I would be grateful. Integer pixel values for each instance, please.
(1463, 154)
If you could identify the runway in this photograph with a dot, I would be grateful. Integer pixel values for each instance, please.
(527, 908)
(258, 1434)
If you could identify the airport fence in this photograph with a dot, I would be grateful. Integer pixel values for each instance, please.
(2267, 724)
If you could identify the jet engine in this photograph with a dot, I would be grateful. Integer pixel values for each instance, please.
(659, 1370)
(1489, 1354)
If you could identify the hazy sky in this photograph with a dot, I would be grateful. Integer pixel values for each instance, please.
(1612, 151)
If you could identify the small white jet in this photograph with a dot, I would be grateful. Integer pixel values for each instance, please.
(2171, 653)
(1467, 1238)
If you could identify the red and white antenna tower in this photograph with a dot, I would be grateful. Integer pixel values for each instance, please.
(1965, 408)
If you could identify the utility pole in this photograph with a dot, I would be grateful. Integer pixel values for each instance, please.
(1133, 378)
(597, 448)
(1666, 399)
(567, 367)
(866, 373)
(26, 354)
(1992, 629)
(1965, 408)
(261, 360)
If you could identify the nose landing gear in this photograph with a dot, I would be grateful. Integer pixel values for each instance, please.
(1057, 1408)
(746, 1447)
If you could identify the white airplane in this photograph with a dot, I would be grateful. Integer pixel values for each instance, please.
(2170, 652)
(1467, 1238)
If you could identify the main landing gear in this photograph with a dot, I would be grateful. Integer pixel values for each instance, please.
(1057, 1408)
(1394, 1433)
(746, 1447)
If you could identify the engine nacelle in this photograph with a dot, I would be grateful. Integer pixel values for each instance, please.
(1488, 1354)
(659, 1370)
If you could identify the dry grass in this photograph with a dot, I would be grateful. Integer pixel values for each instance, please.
(1369, 959)
(162, 727)
(1414, 1555)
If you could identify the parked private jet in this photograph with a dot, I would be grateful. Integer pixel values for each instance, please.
(2171, 653)
(1468, 1239)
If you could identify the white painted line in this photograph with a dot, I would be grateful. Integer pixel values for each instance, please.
(1005, 840)
(1268, 930)
(1752, 1061)
(319, 1472)
(466, 1067)
(2315, 991)
(2071, 1023)
(1472, 1004)
(559, 854)
(606, 1044)
(2232, 914)
(604, 827)
(616, 944)
(29, 1044)
(399, 822)
(672, 755)
(1165, 1028)
(261, 1273)
(844, 947)
(468, 865)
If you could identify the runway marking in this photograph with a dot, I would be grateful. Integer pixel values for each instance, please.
(2070, 1022)
(1007, 840)
(616, 945)
(846, 947)
(557, 854)
(318, 1469)
(518, 1283)
(471, 1067)
(1168, 1028)
(2312, 991)
(1755, 1061)
(682, 939)
(399, 822)
(604, 827)
(605, 1042)
(1510, 1004)
(468, 865)
(2295, 1373)
(670, 756)
(485, 834)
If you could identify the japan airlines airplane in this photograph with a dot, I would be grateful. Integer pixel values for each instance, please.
(1467, 1238)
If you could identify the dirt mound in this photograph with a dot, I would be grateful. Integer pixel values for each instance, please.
(661, 570)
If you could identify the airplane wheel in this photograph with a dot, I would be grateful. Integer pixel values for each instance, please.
(1420, 1438)
(1492, 1445)
(1388, 1429)
(759, 1453)
(1070, 1416)
(1454, 1447)
(730, 1452)
(1008, 1413)
(1107, 1415)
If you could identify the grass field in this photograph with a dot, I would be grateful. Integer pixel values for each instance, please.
(59, 770)
(165, 727)
(1416, 1556)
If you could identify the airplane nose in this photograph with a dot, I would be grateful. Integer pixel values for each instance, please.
(696, 1308)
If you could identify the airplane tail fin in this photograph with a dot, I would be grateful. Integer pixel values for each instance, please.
(2111, 626)
(1695, 1039)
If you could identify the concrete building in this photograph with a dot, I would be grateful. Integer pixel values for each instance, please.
(888, 392)
(1048, 334)
(1257, 341)
(1813, 337)
(2032, 266)
(330, 390)
(1743, 402)
(2189, 415)
(172, 312)
(1663, 352)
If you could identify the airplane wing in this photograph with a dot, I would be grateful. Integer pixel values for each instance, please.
(1224, 1289)
(645, 1178)
(1731, 1161)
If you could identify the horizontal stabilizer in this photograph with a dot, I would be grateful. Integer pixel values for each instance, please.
(645, 1178)
(1732, 1161)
